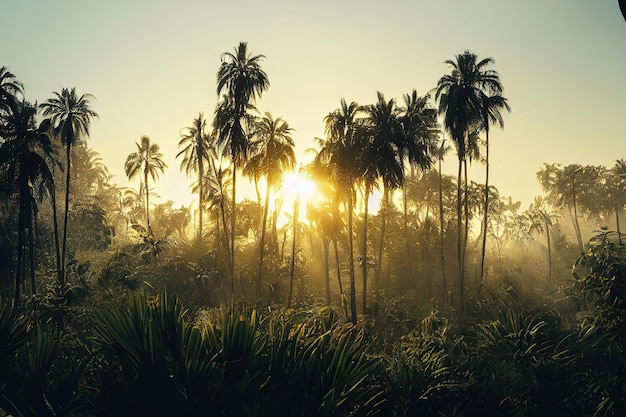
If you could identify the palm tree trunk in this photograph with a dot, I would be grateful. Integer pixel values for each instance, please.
(364, 262)
(486, 211)
(55, 224)
(549, 256)
(67, 205)
(262, 244)
(296, 210)
(200, 195)
(147, 201)
(444, 289)
(19, 267)
(232, 234)
(459, 240)
(326, 244)
(31, 253)
(406, 230)
(381, 243)
(351, 258)
(338, 265)
(576, 224)
(619, 233)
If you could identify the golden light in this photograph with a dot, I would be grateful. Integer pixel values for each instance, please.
(295, 185)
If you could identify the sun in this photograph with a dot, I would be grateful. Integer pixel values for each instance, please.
(296, 187)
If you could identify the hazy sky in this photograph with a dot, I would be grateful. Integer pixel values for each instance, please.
(152, 67)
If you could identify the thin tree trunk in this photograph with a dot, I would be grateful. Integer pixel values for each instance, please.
(232, 235)
(459, 249)
(55, 224)
(262, 243)
(341, 294)
(31, 254)
(19, 267)
(351, 259)
(296, 210)
(364, 263)
(619, 233)
(549, 256)
(326, 244)
(486, 213)
(200, 193)
(406, 230)
(381, 243)
(441, 238)
(147, 201)
(67, 206)
(576, 225)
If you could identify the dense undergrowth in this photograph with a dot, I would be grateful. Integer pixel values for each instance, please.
(144, 354)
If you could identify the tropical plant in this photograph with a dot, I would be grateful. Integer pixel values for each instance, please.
(70, 116)
(461, 96)
(10, 90)
(147, 160)
(196, 153)
(273, 155)
(241, 78)
(541, 219)
(24, 155)
(491, 108)
(337, 155)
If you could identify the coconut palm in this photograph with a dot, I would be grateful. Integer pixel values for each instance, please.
(274, 155)
(147, 161)
(70, 116)
(196, 152)
(492, 108)
(24, 153)
(541, 218)
(382, 157)
(10, 90)
(338, 156)
(461, 101)
(241, 78)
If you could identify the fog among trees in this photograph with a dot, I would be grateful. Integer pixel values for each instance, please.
(364, 282)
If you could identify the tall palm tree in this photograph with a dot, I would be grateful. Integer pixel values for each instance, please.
(461, 101)
(419, 127)
(491, 108)
(147, 161)
(24, 153)
(10, 90)
(274, 155)
(338, 155)
(242, 79)
(382, 157)
(70, 116)
(196, 153)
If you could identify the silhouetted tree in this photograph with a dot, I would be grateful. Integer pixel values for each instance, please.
(146, 161)
(70, 116)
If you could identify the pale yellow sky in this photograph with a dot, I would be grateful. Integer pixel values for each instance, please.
(152, 67)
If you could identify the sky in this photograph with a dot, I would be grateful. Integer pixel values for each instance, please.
(151, 66)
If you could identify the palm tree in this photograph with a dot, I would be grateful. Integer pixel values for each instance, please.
(274, 155)
(23, 160)
(541, 218)
(196, 152)
(241, 78)
(338, 155)
(148, 160)
(419, 127)
(440, 154)
(382, 157)
(461, 101)
(70, 116)
(492, 107)
(10, 90)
